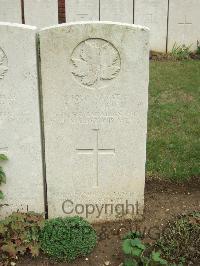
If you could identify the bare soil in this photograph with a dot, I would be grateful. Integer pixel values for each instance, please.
(164, 201)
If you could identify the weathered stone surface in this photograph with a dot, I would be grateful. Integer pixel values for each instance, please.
(184, 26)
(153, 14)
(19, 120)
(10, 11)
(95, 93)
(41, 13)
(117, 10)
(78, 10)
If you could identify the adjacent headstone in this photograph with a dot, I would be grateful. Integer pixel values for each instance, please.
(41, 13)
(117, 10)
(153, 14)
(79, 10)
(19, 120)
(10, 11)
(95, 91)
(184, 26)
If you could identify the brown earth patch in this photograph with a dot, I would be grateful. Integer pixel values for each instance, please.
(164, 201)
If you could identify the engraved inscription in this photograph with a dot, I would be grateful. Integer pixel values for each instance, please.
(101, 118)
(113, 108)
(3, 64)
(94, 62)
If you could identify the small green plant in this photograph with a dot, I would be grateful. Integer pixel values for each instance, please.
(19, 234)
(65, 239)
(134, 249)
(180, 52)
(198, 48)
(181, 239)
(2, 174)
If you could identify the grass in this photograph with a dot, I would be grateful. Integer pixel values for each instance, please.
(173, 147)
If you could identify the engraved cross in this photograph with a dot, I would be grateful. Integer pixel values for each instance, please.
(96, 151)
(185, 22)
(82, 15)
(149, 18)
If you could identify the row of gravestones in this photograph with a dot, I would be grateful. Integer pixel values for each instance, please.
(73, 118)
(170, 21)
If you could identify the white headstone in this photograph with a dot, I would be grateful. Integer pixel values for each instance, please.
(184, 23)
(41, 13)
(117, 10)
(19, 120)
(153, 14)
(10, 11)
(79, 10)
(95, 93)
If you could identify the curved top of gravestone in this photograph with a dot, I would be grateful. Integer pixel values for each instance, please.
(16, 25)
(95, 23)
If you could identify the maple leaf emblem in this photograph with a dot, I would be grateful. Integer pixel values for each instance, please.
(95, 61)
(3, 64)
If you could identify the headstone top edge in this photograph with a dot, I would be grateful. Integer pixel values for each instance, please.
(16, 25)
(42, 0)
(82, 23)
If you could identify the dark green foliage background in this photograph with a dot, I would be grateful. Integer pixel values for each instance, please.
(2, 174)
(19, 234)
(181, 239)
(68, 238)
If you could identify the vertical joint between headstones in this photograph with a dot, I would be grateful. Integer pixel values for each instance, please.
(42, 123)
(22, 12)
(167, 33)
(99, 10)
